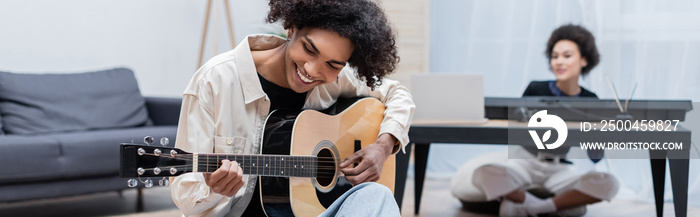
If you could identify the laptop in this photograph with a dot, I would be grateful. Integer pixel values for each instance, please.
(448, 98)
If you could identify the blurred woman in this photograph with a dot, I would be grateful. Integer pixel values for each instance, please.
(563, 191)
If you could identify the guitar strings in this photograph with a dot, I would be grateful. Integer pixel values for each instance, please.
(235, 155)
(320, 171)
(303, 174)
(311, 168)
(247, 168)
(188, 157)
(276, 164)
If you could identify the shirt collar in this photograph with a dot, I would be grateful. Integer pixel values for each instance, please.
(252, 90)
(557, 92)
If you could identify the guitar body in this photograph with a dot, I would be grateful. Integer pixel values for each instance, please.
(332, 138)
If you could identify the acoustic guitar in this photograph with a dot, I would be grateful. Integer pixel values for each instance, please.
(299, 165)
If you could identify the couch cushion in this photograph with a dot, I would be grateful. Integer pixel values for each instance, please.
(71, 155)
(28, 158)
(45, 103)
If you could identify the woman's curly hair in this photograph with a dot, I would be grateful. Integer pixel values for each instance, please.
(361, 21)
(583, 39)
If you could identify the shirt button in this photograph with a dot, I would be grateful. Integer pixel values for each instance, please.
(229, 141)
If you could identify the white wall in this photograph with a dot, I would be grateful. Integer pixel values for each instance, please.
(158, 39)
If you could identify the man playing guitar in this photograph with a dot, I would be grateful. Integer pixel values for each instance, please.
(334, 49)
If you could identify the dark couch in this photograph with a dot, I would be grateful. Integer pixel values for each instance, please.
(60, 133)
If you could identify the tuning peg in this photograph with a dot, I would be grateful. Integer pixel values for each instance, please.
(164, 182)
(132, 183)
(164, 141)
(148, 140)
(148, 183)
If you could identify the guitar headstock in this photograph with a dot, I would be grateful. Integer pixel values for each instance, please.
(146, 161)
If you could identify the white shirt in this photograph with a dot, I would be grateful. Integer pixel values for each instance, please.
(224, 109)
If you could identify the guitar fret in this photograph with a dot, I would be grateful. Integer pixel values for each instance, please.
(298, 167)
(238, 161)
(292, 167)
(301, 170)
(243, 164)
(248, 163)
(289, 163)
(266, 169)
(301, 163)
(312, 167)
(301, 167)
(306, 173)
(313, 163)
(271, 168)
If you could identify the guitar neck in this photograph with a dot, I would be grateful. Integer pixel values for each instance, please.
(150, 161)
(262, 165)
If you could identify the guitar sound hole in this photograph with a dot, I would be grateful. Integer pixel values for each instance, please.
(326, 168)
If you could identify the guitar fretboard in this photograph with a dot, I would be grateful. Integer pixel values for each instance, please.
(263, 165)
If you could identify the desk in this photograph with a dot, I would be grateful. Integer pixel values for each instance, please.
(496, 132)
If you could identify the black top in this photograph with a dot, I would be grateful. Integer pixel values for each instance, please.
(280, 98)
(543, 88)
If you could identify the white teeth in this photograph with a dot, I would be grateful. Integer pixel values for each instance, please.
(303, 77)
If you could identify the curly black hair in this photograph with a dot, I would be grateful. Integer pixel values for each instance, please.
(583, 39)
(361, 21)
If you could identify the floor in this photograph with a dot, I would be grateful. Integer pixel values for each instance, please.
(436, 201)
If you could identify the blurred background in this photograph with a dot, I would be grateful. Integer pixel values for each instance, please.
(654, 44)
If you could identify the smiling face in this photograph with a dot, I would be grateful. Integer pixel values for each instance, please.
(314, 57)
(566, 60)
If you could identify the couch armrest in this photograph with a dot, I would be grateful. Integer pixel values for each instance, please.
(163, 111)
